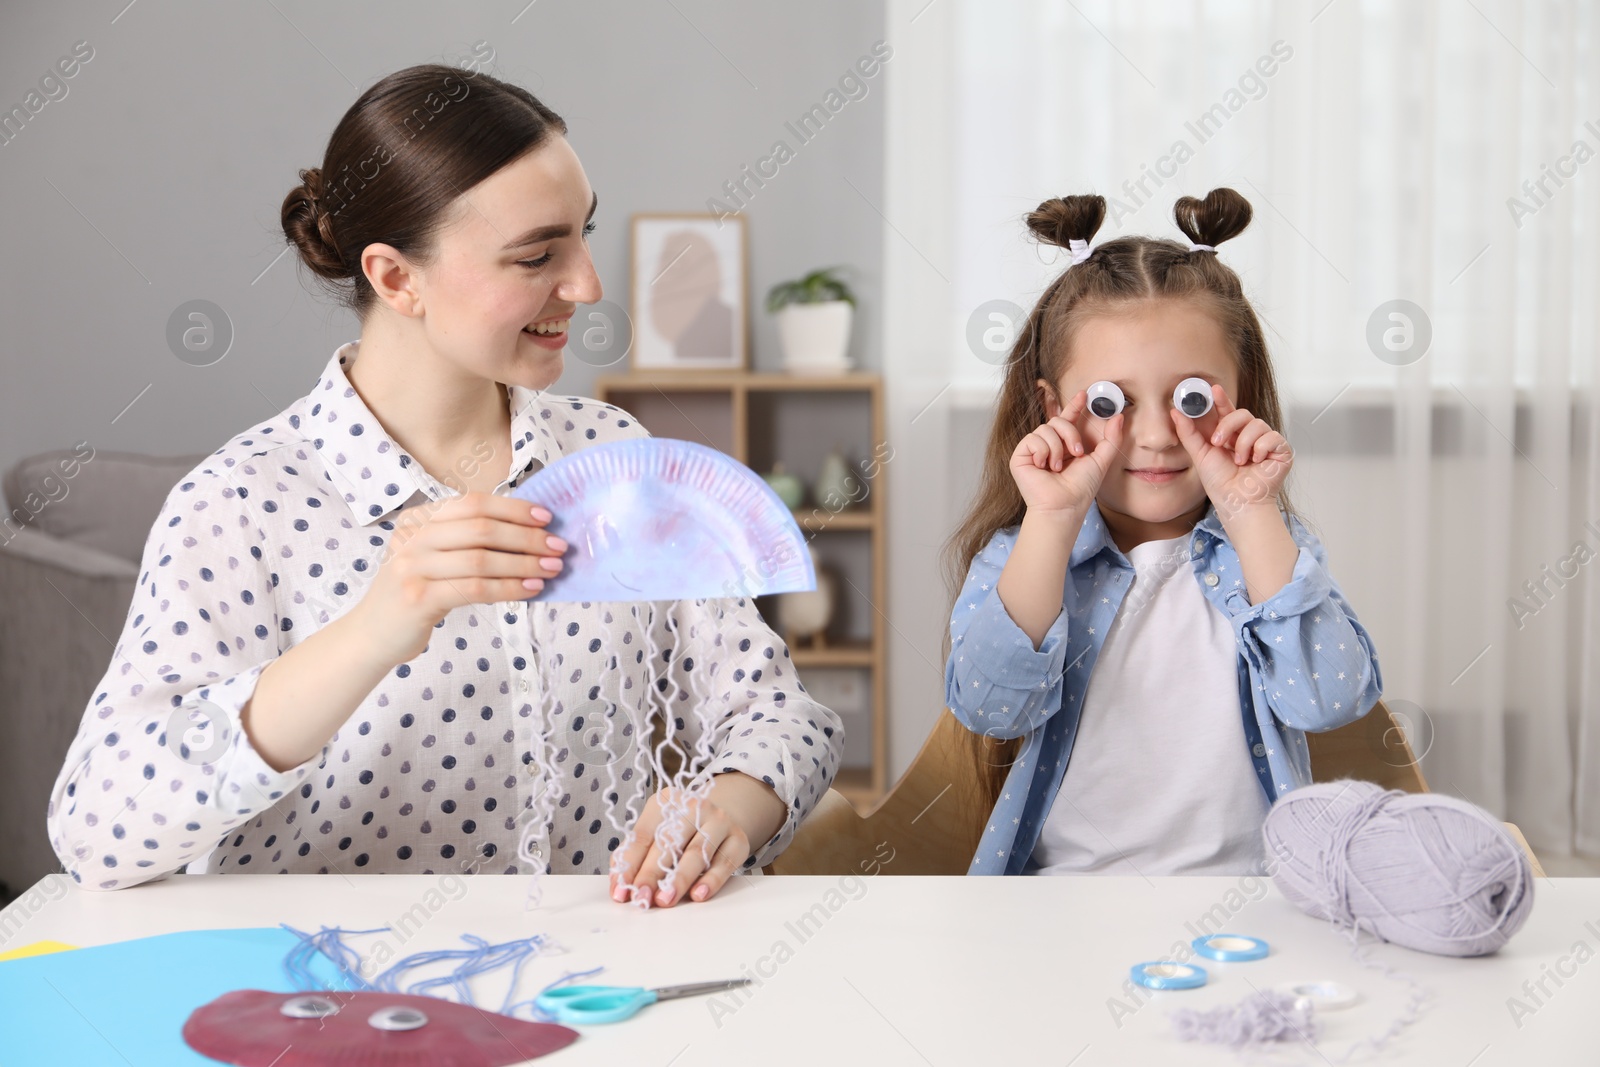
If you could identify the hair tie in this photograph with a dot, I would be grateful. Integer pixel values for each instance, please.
(1080, 250)
(1202, 248)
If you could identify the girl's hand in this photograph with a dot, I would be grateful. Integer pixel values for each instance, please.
(1245, 461)
(712, 840)
(476, 548)
(1055, 469)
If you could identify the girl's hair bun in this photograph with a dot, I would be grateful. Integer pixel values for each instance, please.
(1222, 215)
(309, 226)
(1067, 218)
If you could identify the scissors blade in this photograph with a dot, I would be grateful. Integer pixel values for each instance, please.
(672, 992)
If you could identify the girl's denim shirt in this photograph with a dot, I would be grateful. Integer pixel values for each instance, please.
(1305, 663)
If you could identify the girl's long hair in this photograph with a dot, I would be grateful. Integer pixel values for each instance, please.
(1118, 274)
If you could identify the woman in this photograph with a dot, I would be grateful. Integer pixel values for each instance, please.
(330, 662)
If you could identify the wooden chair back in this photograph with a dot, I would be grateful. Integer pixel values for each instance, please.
(1374, 748)
(930, 822)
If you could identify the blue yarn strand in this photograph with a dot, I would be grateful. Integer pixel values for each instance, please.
(328, 943)
(479, 958)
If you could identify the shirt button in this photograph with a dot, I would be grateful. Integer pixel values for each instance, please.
(1211, 579)
(1199, 545)
(1259, 749)
(522, 684)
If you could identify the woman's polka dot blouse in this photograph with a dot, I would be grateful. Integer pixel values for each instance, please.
(279, 532)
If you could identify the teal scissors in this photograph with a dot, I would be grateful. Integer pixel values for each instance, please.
(614, 1003)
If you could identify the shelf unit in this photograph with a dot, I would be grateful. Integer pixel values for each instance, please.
(760, 419)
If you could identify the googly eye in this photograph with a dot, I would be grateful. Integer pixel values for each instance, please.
(397, 1017)
(1105, 399)
(308, 1008)
(1192, 397)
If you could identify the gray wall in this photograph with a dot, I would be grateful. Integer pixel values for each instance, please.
(156, 179)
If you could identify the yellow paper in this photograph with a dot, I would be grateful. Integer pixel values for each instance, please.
(38, 948)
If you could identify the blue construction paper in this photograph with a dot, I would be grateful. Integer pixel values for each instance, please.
(124, 1004)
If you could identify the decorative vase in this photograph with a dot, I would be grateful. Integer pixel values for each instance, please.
(838, 487)
(807, 614)
(790, 489)
(815, 337)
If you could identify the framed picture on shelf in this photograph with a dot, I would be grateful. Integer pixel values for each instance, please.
(690, 301)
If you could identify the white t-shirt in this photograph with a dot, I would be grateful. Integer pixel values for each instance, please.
(1160, 779)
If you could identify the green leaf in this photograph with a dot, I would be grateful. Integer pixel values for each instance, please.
(817, 287)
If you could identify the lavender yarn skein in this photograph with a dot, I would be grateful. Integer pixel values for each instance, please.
(1422, 870)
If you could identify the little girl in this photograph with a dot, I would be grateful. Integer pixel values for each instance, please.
(1143, 615)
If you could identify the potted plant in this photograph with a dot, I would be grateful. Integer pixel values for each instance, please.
(813, 315)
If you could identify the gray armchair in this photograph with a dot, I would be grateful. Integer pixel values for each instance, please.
(69, 557)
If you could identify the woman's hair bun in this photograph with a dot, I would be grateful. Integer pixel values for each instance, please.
(1067, 218)
(1222, 215)
(309, 227)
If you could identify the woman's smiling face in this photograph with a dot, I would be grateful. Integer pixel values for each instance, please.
(513, 254)
(1147, 349)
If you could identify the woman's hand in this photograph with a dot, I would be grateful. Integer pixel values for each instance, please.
(476, 548)
(714, 835)
(1054, 468)
(1245, 461)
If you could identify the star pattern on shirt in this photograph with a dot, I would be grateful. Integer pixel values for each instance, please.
(1259, 664)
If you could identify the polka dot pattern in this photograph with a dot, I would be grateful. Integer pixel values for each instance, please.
(279, 533)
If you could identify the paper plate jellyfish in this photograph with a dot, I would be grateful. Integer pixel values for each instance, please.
(660, 519)
(650, 524)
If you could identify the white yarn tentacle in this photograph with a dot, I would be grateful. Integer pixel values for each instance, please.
(539, 814)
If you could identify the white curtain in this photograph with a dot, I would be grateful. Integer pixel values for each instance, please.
(1445, 154)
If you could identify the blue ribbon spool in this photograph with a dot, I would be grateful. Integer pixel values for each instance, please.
(1167, 974)
(1230, 948)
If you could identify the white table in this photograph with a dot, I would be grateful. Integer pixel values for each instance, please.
(902, 970)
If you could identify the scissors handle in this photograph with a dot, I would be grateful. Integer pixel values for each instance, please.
(594, 1003)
